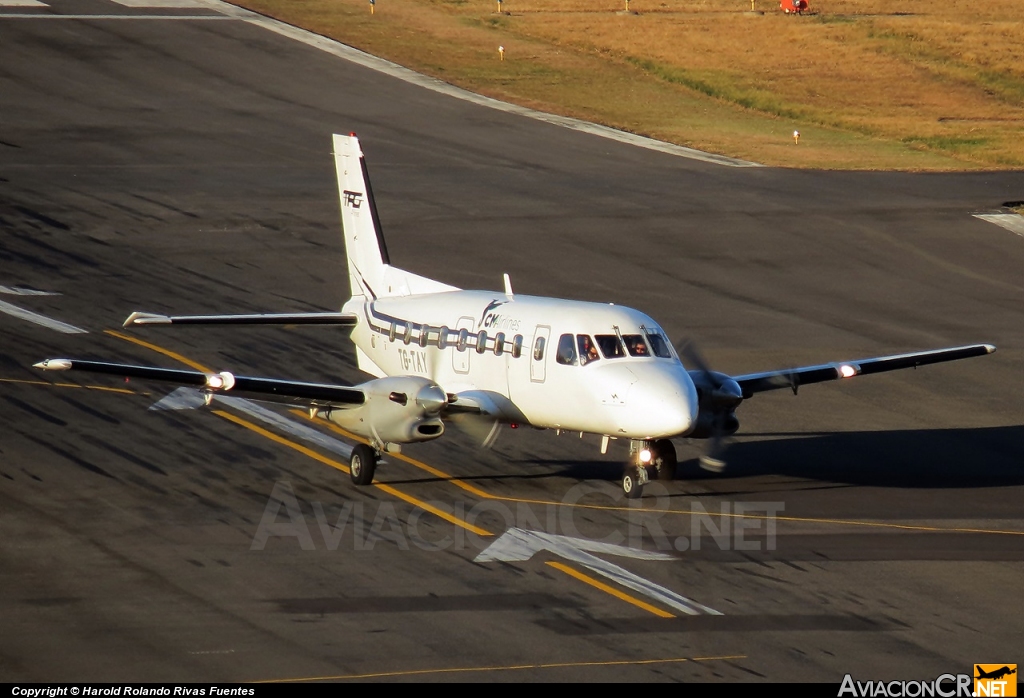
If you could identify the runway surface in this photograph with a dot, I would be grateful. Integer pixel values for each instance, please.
(156, 159)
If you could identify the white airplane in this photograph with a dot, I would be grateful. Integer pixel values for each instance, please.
(439, 354)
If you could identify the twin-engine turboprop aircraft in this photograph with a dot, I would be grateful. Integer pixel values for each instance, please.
(438, 354)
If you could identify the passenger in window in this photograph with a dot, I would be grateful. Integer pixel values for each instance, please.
(588, 350)
(635, 345)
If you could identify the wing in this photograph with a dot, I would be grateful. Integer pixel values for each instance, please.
(795, 377)
(295, 392)
(342, 319)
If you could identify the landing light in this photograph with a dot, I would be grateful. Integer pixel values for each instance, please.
(847, 371)
(645, 455)
(220, 381)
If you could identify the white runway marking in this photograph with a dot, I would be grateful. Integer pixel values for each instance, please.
(190, 398)
(162, 3)
(18, 291)
(38, 319)
(518, 544)
(308, 434)
(1011, 221)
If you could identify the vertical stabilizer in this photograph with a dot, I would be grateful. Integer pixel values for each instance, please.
(364, 243)
(370, 272)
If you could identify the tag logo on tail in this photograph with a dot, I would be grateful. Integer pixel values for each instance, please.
(353, 199)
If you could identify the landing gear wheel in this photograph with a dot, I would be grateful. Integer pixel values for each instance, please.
(664, 459)
(361, 464)
(633, 482)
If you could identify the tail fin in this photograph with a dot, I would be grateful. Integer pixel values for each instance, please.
(364, 242)
(369, 267)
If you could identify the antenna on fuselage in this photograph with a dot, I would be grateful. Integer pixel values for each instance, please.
(508, 286)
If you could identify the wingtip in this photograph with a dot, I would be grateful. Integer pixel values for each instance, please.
(54, 364)
(989, 348)
(138, 318)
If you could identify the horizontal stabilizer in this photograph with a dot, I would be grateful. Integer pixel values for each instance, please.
(341, 319)
(294, 392)
(795, 377)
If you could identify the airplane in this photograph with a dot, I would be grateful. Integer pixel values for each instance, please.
(996, 673)
(440, 355)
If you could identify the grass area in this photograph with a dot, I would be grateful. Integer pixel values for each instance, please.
(869, 84)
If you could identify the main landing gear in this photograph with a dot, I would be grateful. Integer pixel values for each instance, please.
(658, 454)
(362, 464)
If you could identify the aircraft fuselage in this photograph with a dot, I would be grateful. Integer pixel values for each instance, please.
(526, 356)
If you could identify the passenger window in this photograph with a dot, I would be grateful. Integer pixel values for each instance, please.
(610, 345)
(588, 350)
(481, 342)
(463, 340)
(442, 337)
(499, 344)
(538, 349)
(566, 350)
(635, 345)
(424, 334)
(517, 346)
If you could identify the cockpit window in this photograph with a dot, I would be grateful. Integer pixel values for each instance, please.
(610, 345)
(588, 350)
(635, 345)
(566, 353)
(659, 344)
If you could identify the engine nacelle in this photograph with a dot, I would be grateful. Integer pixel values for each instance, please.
(399, 409)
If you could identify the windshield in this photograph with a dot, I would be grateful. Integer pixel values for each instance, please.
(610, 345)
(659, 344)
(635, 345)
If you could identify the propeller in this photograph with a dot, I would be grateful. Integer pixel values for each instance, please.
(719, 396)
(472, 419)
(482, 429)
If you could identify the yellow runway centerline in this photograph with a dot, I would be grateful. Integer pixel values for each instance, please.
(586, 579)
(639, 507)
(344, 468)
(431, 509)
(160, 350)
(511, 667)
(102, 388)
(411, 461)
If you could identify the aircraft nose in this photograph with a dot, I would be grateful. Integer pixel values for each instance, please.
(663, 401)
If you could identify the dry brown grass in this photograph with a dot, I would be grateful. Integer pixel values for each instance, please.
(907, 84)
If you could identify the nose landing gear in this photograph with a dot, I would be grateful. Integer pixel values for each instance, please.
(659, 454)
